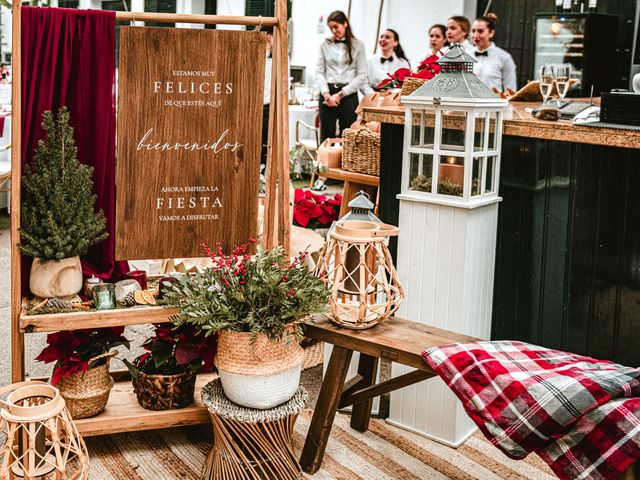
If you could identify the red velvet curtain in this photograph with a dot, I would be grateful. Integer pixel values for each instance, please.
(68, 59)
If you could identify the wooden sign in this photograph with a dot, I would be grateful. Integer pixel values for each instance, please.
(189, 140)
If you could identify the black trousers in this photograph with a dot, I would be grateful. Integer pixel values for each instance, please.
(265, 133)
(344, 114)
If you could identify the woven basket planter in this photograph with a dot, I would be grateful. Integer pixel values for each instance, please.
(87, 393)
(164, 392)
(411, 84)
(258, 374)
(361, 151)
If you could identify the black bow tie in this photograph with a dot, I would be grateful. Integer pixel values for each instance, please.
(385, 59)
(344, 40)
(482, 54)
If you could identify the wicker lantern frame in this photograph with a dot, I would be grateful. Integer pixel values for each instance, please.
(41, 438)
(364, 283)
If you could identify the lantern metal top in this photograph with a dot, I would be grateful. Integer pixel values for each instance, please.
(456, 84)
(362, 201)
(456, 60)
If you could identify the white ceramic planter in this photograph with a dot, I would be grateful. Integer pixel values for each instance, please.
(56, 279)
(258, 374)
(264, 391)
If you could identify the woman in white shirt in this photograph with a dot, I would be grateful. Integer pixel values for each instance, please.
(390, 59)
(437, 39)
(458, 29)
(494, 66)
(341, 71)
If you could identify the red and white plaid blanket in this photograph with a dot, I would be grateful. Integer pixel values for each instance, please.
(582, 416)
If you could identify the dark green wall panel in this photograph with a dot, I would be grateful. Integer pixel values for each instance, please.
(568, 252)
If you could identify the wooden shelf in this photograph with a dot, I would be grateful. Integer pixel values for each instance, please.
(339, 174)
(94, 319)
(124, 414)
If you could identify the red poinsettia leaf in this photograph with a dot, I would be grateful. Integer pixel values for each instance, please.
(401, 74)
(316, 212)
(50, 354)
(319, 198)
(425, 74)
(66, 371)
(430, 60)
(335, 201)
(298, 195)
(384, 83)
(185, 353)
(301, 216)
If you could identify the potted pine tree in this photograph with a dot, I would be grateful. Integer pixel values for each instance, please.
(256, 304)
(58, 220)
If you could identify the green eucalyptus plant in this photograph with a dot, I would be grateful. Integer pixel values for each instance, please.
(264, 293)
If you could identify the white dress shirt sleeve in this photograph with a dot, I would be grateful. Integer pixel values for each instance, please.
(321, 68)
(509, 73)
(360, 80)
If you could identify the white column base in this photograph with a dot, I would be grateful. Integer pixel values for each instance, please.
(446, 259)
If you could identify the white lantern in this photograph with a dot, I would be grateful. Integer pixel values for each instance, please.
(453, 128)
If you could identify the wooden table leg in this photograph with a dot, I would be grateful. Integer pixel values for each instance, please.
(325, 411)
(361, 413)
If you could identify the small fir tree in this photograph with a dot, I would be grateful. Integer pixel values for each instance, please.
(58, 216)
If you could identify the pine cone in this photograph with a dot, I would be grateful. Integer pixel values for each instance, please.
(58, 303)
(129, 300)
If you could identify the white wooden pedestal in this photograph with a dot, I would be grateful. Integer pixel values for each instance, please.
(446, 258)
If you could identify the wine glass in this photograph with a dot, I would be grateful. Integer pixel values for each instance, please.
(563, 74)
(547, 76)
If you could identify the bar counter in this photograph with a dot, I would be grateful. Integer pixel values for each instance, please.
(568, 242)
(520, 123)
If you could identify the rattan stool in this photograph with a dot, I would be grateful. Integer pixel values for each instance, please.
(251, 444)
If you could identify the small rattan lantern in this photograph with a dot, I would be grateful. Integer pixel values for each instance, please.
(40, 439)
(365, 291)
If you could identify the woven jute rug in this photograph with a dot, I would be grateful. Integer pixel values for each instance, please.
(385, 452)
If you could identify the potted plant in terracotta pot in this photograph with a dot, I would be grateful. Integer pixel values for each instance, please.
(81, 370)
(164, 377)
(256, 303)
(58, 220)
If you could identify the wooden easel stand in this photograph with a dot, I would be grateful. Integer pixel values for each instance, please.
(124, 416)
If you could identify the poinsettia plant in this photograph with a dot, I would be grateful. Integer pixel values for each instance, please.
(427, 69)
(315, 211)
(73, 350)
(173, 350)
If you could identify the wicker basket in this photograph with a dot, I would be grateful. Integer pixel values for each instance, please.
(258, 373)
(86, 394)
(411, 84)
(361, 153)
(164, 392)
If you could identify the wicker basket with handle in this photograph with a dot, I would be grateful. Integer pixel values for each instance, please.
(361, 151)
(87, 393)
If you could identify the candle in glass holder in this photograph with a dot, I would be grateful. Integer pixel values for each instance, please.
(89, 283)
(140, 276)
(452, 171)
(104, 296)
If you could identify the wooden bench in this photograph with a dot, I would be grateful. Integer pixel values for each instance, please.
(401, 341)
